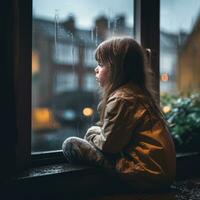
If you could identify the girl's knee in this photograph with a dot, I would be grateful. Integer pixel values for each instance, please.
(73, 142)
(68, 143)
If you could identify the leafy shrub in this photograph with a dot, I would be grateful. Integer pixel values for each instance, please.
(183, 115)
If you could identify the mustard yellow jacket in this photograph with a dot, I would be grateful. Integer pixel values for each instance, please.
(133, 129)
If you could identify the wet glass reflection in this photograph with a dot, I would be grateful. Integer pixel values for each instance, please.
(64, 89)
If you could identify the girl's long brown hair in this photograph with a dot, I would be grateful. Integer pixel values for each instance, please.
(127, 61)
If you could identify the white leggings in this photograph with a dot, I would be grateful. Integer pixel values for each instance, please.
(80, 151)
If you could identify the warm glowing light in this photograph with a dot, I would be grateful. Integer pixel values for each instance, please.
(35, 63)
(43, 119)
(166, 109)
(88, 112)
(164, 77)
(42, 115)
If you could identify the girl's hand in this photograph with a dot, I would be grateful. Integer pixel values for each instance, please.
(93, 130)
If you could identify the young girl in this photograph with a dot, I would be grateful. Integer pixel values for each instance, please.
(131, 139)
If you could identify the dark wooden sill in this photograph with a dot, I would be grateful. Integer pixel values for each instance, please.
(55, 164)
(59, 180)
(47, 158)
(83, 180)
(188, 165)
(55, 170)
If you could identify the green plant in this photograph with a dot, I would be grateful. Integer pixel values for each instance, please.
(183, 115)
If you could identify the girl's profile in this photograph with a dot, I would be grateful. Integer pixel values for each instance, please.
(131, 138)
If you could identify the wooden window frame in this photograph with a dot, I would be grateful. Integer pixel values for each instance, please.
(146, 32)
(19, 18)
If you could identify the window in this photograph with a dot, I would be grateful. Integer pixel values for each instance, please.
(18, 19)
(180, 69)
(64, 37)
(65, 53)
(89, 57)
(61, 110)
(179, 51)
(66, 81)
(89, 83)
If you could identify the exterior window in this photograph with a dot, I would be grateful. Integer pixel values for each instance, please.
(65, 53)
(179, 70)
(65, 35)
(66, 82)
(89, 82)
(89, 57)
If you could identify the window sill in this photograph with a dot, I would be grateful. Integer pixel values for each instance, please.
(44, 165)
(83, 180)
(53, 170)
(59, 180)
(188, 165)
(60, 168)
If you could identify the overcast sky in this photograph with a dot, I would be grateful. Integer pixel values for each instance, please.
(176, 15)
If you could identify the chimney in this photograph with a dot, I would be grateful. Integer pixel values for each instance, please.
(69, 24)
(101, 27)
(120, 19)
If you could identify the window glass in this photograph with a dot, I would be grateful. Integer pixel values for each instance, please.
(89, 56)
(180, 70)
(64, 90)
(65, 53)
(65, 81)
(89, 82)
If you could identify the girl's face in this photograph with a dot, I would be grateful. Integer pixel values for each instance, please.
(102, 74)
